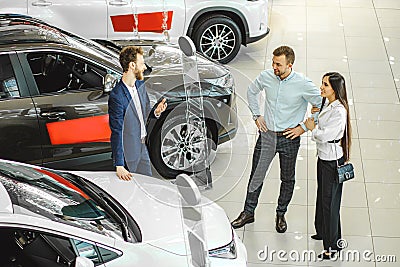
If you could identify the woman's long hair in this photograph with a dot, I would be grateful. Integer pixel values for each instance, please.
(339, 87)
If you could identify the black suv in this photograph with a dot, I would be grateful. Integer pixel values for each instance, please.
(53, 99)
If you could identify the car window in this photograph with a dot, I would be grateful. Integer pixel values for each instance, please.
(108, 255)
(57, 72)
(26, 247)
(87, 250)
(97, 254)
(8, 83)
(42, 193)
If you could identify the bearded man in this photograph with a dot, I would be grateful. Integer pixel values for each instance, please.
(128, 108)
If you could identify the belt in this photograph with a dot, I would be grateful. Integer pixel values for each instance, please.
(334, 141)
(143, 140)
(277, 133)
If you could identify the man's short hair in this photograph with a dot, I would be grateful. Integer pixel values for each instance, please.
(287, 51)
(129, 54)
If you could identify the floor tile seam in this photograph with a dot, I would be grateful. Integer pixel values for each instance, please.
(369, 72)
(373, 119)
(270, 7)
(386, 49)
(374, 182)
(308, 233)
(380, 209)
(389, 237)
(380, 104)
(382, 183)
(359, 147)
(377, 139)
(316, 241)
(392, 209)
(363, 102)
(388, 8)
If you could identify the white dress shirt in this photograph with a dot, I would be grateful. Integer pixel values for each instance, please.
(331, 126)
(135, 98)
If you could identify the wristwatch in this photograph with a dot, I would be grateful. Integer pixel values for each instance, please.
(255, 117)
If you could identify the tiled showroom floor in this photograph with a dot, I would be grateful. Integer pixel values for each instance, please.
(361, 40)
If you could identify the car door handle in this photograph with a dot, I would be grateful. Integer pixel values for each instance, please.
(41, 3)
(118, 3)
(53, 114)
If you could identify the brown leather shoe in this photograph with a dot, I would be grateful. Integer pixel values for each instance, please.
(281, 225)
(244, 218)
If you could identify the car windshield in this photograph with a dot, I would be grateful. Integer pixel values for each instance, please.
(43, 193)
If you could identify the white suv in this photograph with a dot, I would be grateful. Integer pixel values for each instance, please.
(217, 27)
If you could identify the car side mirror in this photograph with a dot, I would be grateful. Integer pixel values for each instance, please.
(148, 70)
(83, 262)
(109, 82)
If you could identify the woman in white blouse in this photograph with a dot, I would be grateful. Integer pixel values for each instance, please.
(332, 135)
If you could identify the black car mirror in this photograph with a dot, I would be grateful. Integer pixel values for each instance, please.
(148, 70)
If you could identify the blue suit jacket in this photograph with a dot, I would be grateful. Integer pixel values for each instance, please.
(124, 123)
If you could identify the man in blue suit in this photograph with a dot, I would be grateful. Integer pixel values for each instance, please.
(128, 108)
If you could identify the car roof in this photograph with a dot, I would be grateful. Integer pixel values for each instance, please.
(17, 29)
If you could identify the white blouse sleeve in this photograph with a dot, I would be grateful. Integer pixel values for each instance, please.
(333, 129)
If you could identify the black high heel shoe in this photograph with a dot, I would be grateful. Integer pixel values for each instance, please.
(325, 256)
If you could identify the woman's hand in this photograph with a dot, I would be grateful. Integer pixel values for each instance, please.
(310, 124)
(315, 110)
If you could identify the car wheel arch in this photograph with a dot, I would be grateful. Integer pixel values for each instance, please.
(232, 13)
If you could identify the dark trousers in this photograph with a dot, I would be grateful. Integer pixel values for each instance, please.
(329, 196)
(142, 164)
(268, 144)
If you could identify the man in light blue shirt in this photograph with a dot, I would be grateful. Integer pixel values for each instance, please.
(287, 94)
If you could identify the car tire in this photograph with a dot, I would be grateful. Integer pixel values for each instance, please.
(169, 153)
(218, 37)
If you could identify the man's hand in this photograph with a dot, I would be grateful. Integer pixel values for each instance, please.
(123, 173)
(161, 107)
(294, 132)
(261, 124)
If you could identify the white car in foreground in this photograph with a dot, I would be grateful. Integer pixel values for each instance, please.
(217, 27)
(52, 218)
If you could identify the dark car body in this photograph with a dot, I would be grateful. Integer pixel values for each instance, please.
(53, 106)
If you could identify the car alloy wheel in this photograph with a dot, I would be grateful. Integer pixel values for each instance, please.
(182, 147)
(177, 147)
(218, 38)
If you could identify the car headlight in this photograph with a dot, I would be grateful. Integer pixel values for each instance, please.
(225, 81)
(226, 252)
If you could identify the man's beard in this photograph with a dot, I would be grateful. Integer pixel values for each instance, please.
(139, 75)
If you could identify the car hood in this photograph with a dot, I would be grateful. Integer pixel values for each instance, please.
(165, 58)
(154, 204)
